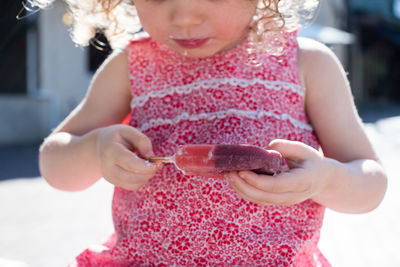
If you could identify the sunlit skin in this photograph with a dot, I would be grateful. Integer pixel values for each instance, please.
(197, 28)
(91, 143)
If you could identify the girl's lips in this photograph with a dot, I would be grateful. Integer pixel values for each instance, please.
(191, 43)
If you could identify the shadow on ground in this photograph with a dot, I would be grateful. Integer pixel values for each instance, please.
(19, 161)
(371, 113)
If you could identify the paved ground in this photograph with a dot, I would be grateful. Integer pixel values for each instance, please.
(43, 227)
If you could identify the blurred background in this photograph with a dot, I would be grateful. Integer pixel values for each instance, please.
(43, 76)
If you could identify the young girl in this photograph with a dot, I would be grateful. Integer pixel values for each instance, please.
(213, 71)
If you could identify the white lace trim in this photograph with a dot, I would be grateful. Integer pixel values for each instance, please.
(252, 114)
(140, 101)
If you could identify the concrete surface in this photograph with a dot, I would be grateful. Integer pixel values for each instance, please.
(44, 227)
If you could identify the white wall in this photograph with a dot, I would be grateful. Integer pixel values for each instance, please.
(23, 119)
(62, 82)
(332, 13)
(63, 65)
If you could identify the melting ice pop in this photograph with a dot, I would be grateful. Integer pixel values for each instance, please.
(213, 160)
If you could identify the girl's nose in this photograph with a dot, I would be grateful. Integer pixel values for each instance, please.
(186, 14)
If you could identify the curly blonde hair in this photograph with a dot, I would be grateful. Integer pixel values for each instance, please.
(118, 20)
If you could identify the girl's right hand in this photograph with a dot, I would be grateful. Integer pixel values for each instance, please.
(122, 151)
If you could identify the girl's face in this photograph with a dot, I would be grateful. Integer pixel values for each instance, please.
(197, 28)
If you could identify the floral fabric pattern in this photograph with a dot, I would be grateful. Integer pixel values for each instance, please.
(238, 96)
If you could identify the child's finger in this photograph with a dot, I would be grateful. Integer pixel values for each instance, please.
(128, 180)
(132, 178)
(138, 140)
(286, 182)
(131, 162)
(294, 151)
(234, 181)
(261, 197)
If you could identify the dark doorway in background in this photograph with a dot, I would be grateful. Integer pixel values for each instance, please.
(99, 50)
(13, 46)
(381, 62)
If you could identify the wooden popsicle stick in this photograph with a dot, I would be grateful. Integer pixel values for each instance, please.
(160, 159)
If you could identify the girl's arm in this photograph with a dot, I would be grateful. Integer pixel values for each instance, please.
(90, 143)
(348, 176)
(357, 181)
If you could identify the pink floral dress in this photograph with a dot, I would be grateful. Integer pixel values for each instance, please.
(235, 97)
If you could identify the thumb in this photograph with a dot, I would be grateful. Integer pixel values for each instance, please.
(139, 141)
(294, 151)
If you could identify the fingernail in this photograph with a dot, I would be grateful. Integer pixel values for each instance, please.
(150, 153)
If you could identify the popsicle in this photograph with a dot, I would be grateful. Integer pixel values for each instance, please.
(214, 160)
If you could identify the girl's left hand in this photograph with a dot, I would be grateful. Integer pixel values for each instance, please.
(308, 176)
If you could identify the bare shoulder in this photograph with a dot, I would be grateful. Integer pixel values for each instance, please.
(112, 75)
(308, 44)
(118, 60)
(312, 48)
(315, 58)
(321, 72)
(107, 100)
